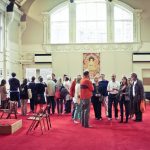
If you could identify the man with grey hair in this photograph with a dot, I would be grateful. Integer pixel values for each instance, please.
(138, 96)
(50, 93)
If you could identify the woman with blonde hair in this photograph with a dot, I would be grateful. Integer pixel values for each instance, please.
(76, 100)
(59, 100)
(97, 99)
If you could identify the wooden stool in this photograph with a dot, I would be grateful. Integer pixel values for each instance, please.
(12, 109)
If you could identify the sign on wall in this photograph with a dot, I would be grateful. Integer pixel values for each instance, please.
(91, 62)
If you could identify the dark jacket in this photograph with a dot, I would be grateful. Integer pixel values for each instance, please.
(139, 91)
(127, 92)
(103, 87)
(24, 92)
(32, 86)
(95, 91)
(14, 84)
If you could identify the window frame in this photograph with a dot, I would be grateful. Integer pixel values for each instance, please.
(110, 23)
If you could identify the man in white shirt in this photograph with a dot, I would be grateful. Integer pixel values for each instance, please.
(113, 89)
(50, 93)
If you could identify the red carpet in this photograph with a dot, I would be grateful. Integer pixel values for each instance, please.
(64, 135)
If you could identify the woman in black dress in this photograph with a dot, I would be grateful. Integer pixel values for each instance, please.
(40, 90)
(124, 99)
(32, 86)
(96, 100)
(24, 97)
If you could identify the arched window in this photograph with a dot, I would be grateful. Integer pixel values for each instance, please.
(123, 25)
(60, 25)
(92, 21)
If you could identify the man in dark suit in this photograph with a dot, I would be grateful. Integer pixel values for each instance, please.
(138, 95)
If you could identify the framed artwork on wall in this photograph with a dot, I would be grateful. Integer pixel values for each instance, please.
(91, 62)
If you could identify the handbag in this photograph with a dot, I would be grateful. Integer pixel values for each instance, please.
(101, 98)
(142, 106)
(29, 93)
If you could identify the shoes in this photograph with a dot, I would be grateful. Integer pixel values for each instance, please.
(76, 122)
(117, 118)
(121, 121)
(109, 119)
(126, 122)
(137, 120)
(99, 118)
(89, 126)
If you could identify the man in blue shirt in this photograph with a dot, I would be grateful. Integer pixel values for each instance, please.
(103, 90)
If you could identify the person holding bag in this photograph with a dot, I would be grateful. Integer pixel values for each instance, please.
(124, 99)
(32, 94)
(138, 96)
(59, 100)
(24, 97)
(97, 100)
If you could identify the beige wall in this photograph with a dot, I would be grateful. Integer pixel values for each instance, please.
(71, 62)
(11, 40)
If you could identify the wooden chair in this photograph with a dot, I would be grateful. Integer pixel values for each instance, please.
(39, 120)
(11, 108)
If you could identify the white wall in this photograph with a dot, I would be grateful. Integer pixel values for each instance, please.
(71, 62)
(11, 41)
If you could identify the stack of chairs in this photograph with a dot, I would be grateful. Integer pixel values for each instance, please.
(39, 120)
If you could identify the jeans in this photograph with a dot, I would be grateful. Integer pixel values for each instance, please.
(127, 108)
(68, 106)
(105, 101)
(51, 102)
(77, 112)
(112, 99)
(85, 112)
(73, 111)
(32, 102)
(138, 113)
(24, 106)
(59, 103)
(97, 107)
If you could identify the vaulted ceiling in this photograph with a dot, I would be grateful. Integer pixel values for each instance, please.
(25, 4)
(142, 4)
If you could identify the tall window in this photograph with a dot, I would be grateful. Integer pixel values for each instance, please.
(91, 22)
(123, 25)
(60, 25)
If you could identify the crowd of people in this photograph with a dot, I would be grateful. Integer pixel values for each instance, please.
(75, 97)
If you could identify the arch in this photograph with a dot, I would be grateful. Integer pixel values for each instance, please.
(110, 24)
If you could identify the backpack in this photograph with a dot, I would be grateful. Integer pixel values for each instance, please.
(63, 92)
